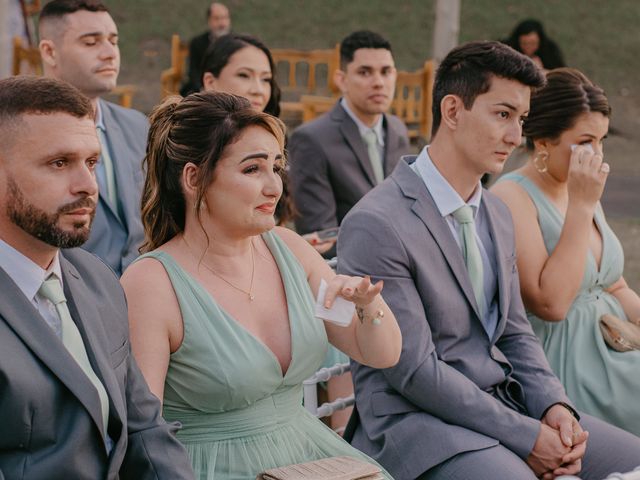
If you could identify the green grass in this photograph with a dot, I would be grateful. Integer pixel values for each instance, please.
(598, 37)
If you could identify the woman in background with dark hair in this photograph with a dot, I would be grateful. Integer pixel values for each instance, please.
(530, 39)
(242, 65)
(221, 307)
(569, 260)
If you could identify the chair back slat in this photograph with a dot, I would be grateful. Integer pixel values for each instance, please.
(25, 59)
(171, 78)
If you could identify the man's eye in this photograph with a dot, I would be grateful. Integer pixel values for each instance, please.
(503, 114)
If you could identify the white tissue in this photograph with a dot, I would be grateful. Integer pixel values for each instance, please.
(341, 313)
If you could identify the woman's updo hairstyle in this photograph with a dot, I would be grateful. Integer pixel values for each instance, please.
(195, 129)
(556, 107)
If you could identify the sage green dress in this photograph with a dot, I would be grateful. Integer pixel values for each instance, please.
(599, 380)
(239, 414)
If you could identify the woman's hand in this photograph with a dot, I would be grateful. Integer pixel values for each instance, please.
(587, 176)
(355, 289)
(319, 244)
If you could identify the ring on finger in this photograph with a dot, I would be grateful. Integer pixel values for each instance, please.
(604, 168)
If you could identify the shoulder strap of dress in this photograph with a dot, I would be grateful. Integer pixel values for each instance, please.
(539, 200)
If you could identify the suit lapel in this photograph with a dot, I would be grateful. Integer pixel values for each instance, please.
(391, 142)
(113, 131)
(497, 236)
(351, 134)
(25, 320)
(87, 318)
(426, 210)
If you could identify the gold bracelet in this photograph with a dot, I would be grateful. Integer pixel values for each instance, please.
(375, 319)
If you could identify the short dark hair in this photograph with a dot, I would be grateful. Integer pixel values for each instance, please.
(467, 72)
(60, 8)
(556, 107)
(357, 40)
(27, 94)
(219, 53)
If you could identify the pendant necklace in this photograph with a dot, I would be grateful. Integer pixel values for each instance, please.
(253, 268)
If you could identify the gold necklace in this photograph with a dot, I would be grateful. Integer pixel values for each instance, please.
(253, 269)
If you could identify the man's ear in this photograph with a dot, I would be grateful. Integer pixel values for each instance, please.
(48, 52)
(450, 108)
(338, 79)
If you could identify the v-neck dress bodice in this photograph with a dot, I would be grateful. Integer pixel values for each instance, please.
(240, 415)
(599, 380)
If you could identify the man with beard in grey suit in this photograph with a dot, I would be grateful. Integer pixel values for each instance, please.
(73, 402)
(79, 44)
(340, 156)
(472, 396)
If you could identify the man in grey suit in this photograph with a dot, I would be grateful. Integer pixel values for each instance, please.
(340, 156)
(472, 396)
(79, 44)
(73, 402)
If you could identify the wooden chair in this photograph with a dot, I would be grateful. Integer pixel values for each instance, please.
(412, 100)
(171, 78)
(313, 106)
(299, 71)
(25, 59)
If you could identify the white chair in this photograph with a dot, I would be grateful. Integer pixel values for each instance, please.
(310, 392)
(310, 386)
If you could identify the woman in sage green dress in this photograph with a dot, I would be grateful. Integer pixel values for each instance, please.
(570, 261)
(222, 304)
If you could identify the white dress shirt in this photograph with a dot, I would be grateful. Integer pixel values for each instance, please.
(447, 201)
(29, 276)
(378, 128)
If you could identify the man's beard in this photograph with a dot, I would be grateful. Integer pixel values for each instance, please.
(43, 225)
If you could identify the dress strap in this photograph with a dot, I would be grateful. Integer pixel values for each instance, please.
(539, 199)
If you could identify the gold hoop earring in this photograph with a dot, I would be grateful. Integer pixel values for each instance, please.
(540, 161)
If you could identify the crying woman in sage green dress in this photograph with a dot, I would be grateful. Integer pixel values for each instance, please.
(570, 261)
(222, 304)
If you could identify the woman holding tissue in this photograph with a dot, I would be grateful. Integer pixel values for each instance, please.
(569, 260)
(222, 305)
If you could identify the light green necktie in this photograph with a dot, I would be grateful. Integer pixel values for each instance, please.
(109, 174)
(471, 252)
(371, 139)
(51, 289)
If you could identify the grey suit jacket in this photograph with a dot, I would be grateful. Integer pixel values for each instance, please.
(454, 389)
(330, 168)
(51, 425)
(115, 238)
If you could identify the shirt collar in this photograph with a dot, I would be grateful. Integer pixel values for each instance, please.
(447, 200)
(99, 119)
(362, 128)
(26, 274)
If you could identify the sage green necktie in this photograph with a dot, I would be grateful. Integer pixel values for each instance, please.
(51, 289)
(109, 174)
(471, 253)
(371, 139)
